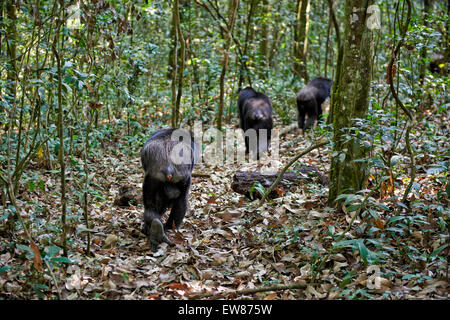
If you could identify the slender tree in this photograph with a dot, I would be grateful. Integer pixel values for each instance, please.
(175, 20)
(11, 43)
(58, 57)
(264, 43)
(232, 10)
(301, 40)
(248, 31)
(351, 100)
(182, 58)
(423, 51)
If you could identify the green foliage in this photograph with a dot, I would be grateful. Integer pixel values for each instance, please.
(116, 90)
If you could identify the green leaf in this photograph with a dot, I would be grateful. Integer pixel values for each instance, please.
(395, 219)
(382, 206)
(5, 216)
(52, 251)
(31, 186)
(353, 207)
(363, 251)
(62, 260)
(438, 250)
(395, 230)
(5, 269)
(259, 187)
(401, 204)
(345, 243)
(24, 247)
(350, 199)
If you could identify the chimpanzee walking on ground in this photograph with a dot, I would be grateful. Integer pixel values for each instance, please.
(168, 161)
(309, 101)
(255, 112)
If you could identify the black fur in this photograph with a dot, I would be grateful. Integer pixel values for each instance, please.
(255, 112)
(166, 184)
(438, 64)
(309, 101)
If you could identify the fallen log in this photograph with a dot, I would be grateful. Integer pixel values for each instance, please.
(289, 128)
(244, 182)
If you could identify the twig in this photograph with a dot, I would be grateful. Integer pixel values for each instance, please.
(253, 290)
(58, 290)
(402, 106)
(301, 154)
(200, 175)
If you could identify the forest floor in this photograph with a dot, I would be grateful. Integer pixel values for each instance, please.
(226, 244)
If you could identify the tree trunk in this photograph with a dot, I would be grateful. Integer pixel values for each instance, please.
(301, 40)
(350, 100)
(59, 64)
(275, 33)
(423, 52)
(11, 43)
(244, 59)
(264, 43)
(175, 14)
(327, 45)
(233, 6)
(339, 58)
(182, 58)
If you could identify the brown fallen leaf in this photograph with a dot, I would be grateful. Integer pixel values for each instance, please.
(379, 223)
(37, 261)
(271, 296)
(211, 199)
(178, 286)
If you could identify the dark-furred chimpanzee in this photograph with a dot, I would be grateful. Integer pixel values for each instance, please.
(438, 64)
(255, 112)
(309, 101)
(168, 158)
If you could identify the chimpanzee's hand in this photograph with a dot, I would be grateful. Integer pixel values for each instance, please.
(157, 235)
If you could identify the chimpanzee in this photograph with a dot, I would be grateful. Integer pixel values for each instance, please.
(438, 64)
(309, 101)
(255, 112)
(168, 160)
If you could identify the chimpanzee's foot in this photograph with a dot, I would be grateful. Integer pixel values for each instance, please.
(157, 235)
(145, 229)
(169, 225)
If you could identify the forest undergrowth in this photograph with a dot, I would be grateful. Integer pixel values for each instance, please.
(229, 248)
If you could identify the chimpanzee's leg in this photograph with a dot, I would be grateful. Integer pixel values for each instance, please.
(301, 118)
(179, 206)
(310, 121)
(246, 140)
(154, 203)
(312, 111)
(157, 235)
(269, 137)
(319, 116)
